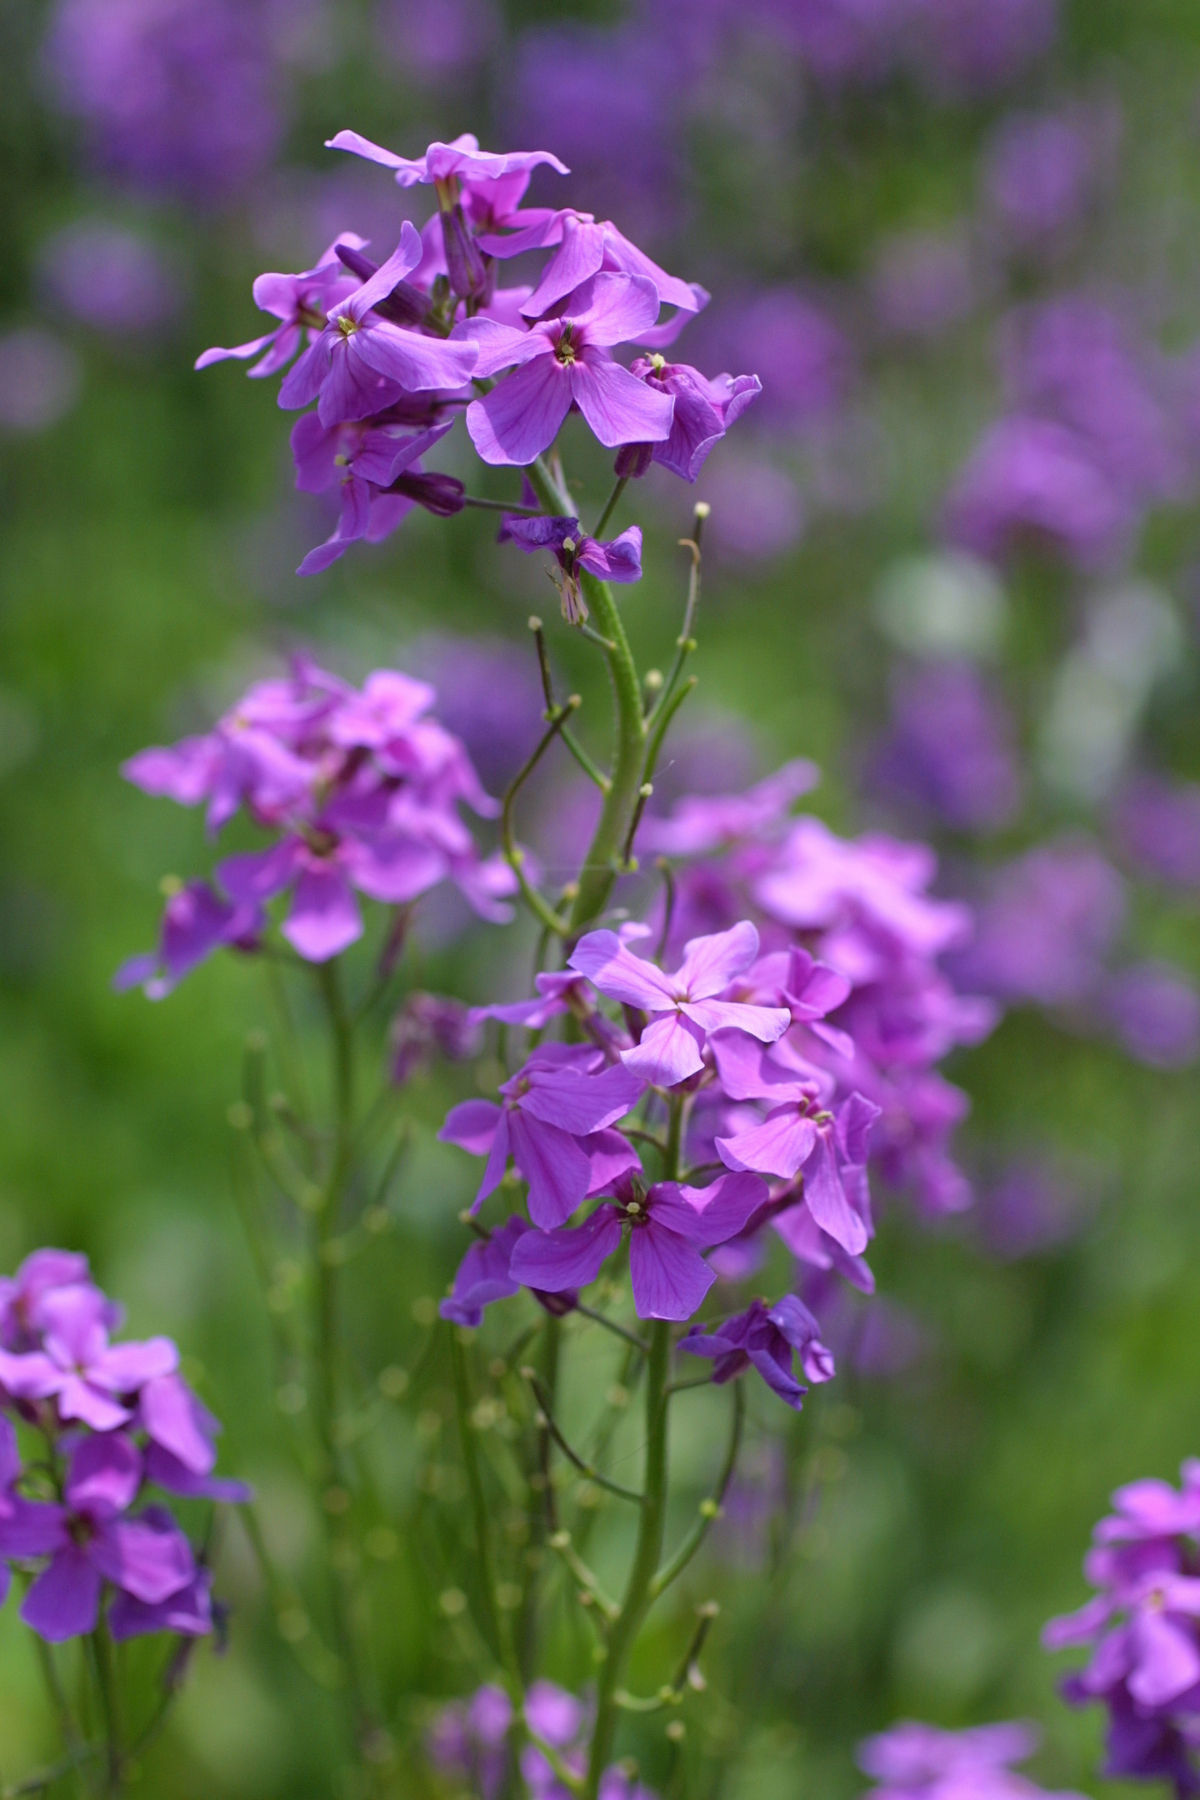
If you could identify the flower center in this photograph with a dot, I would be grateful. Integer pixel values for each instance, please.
(346, 325)
(564, 350)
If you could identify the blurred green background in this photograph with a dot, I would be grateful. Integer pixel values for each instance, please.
(149, 536)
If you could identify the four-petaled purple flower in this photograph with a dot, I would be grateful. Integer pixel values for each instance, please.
(88, 1378)
(831, 1148)
(553, 1124)
(685, 1008)
(618, 560)
(704, 411)
(364, 462)
(668, 1225)
(363, 361)
(764, 1338)
(300, 303)
(563, 362)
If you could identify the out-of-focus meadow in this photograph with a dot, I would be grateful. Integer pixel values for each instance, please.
(954, 557)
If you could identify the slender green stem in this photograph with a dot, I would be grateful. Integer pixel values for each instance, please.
(571, 1454)
(106, 1688)
(544, 1521)
(491, 1619)
(78, 1751)
(590, 769)
(710, 1509)
(602, 865)
(334, 1489)
(610, 505)
(541, 908)
(638, 1595)
(503, 506)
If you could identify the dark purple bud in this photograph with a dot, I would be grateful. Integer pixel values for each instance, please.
(632, 460)
(405, 305)
(471, 272)
(442, 495)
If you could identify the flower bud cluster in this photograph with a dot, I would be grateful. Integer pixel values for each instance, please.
(88, 1429)
(359, 790)
(1143, 1626)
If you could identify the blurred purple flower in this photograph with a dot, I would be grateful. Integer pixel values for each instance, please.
(966, 47)
(108, 277)
(1040, 174)
(921, 283)
(40, 378)
(922, 1762)
(1031, 1207)
(949, 752)
(1032, 480)
(1044, 930)
(440, 43)
(1155, 1011)
(1157, 825)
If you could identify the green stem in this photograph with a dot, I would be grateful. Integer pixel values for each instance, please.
(603, 861)
(333, 1488)
(610, 505)
(493, 1629)
(78, 1751)
(106, 1688)
(639, 1589)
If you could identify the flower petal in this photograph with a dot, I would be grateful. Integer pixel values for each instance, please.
(670, 1278)
(64, 1601)
(570, 1257)
(669, 1051)
(619, 408)
(521, 416)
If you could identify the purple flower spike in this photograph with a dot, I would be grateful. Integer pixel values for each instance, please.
(684, 1008)
(704, 411)
(618, 560)
(565, 362)
(300, 303)
(362, 362)
(764, 1338)
(668, 1225)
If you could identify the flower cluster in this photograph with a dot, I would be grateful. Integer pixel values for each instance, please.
(920, 1762)
(727, 1043)
(863, 907)
(391, 353)
(109, 1421)
(471, 1739)
(359, 789)
(1144, 1628)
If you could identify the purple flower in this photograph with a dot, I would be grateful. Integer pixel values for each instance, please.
(921, 1762)
(1157, 823)
(765, 1338)
(362, 361)
(587, 247)
(300, 303)
(23, 1315)
(109, 278)
(27, 1528)
(1039, 176)
(555, 1112)
(1155, 1011)
(704, 411)
(1034, 480)
(563, 362)
(88, 1378)
(831, 1149)
(483, 1275)
(684, 1008)
(702, 823)
(365, 461)
(461, 160)
(618, 560)
(188, 1612)
(468, 1739)
(196, 921)
(668, 1227)
(146, 1556)
(949, 750)
(1046, 926)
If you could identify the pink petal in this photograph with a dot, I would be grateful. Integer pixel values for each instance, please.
(611, 967)
(766, 1023)
(324, 918)
(711, 963)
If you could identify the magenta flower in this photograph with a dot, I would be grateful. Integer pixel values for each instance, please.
(364, 461)
(920, 1762)
(765, 1338)
(146, 1557)
(552, 1124)
(704, 411)
(300, 303)
(22, 1296)
(563, 362)
(587, 247)
(27, 1528)
(684, 1008)
(618, 560)
(188, 1612)
(88, 1378)
(460, 160)
(832, 1151)
(483, 1275)
(196, 921)
(668, 1225)
(362, 361)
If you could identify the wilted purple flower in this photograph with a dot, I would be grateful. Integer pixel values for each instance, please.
(563, 362)
(668, 1227)
(683, 1008)
(551, 1123)
(1155, 1012)
(949, 750)
(704, 411)
(765, 1338)
(618, 560)
(108, 277)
